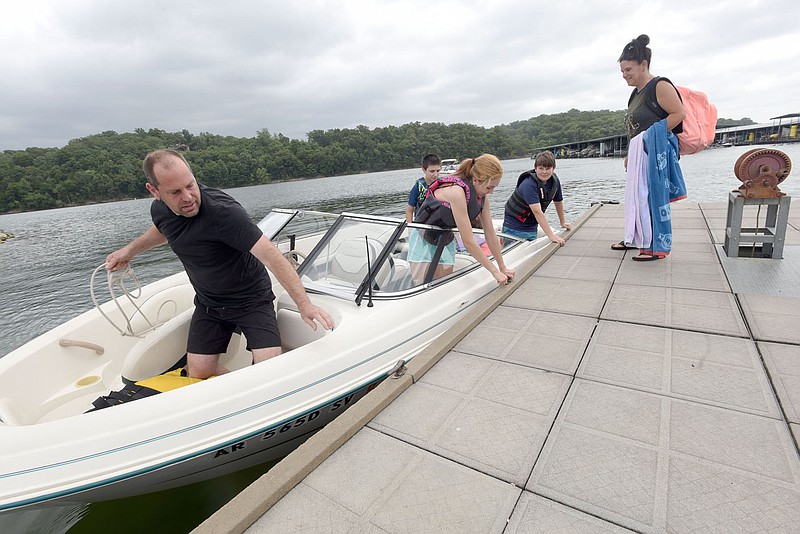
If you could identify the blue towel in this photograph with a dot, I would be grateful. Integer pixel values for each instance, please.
(665, 182)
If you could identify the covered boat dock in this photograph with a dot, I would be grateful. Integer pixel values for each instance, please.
(781, 129)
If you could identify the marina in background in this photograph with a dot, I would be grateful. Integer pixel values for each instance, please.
(781, 130)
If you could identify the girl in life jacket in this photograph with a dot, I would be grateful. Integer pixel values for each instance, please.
(453, 202)
(536, 189)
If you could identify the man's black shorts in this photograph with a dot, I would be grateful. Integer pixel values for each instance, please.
(211, 328)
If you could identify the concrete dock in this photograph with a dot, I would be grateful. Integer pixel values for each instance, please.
(593, 394)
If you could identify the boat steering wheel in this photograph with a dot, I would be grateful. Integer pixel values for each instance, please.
(294, 257)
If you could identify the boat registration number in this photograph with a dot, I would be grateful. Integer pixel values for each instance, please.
(300, 421)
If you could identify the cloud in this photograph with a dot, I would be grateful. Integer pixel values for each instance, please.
(77, 68)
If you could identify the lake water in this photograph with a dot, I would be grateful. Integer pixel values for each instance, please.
(45, 272)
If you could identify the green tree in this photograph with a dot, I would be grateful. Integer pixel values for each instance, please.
(107, 166)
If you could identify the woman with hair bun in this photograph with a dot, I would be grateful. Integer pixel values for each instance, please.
(454, 202)
(654, 99)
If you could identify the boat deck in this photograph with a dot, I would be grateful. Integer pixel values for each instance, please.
(596, 394)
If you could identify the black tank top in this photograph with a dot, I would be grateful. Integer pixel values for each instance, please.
(644, 109)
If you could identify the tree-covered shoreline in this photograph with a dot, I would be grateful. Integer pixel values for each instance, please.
(107, 166)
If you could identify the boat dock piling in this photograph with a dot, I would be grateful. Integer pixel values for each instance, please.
(593, 394)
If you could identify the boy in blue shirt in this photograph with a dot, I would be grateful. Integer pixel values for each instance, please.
(431, 166)
(536, 189)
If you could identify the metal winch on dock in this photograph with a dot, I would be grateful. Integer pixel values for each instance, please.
(760, 170)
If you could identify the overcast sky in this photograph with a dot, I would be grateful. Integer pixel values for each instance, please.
(80, 67)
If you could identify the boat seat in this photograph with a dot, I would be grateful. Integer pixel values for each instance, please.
(463, 261)
(8, 414)
(401, 248)
(163, 306)
(159, 350)
(294, 330)
(236, 356)
(166, 344)
(349, 262)
(401, 277)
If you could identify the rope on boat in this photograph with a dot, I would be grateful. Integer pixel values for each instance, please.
(117, 283)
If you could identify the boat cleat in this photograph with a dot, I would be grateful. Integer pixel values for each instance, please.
(399, 369)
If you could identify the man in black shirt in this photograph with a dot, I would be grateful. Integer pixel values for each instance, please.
(224, 254)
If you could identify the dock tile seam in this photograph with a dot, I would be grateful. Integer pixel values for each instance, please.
(516, 479)
(676, 274)
(776, 388)
(448, 456)
(559, 312)
(530, 329)
(420, 364)
(555, 301)
(494, 411)
(683, 329)
(772, 361)
(610, 314)
(773, 385)
(719, 251)
(740, 296)
(577, 263)
(674, 396)
(580, 520)
(386, 504)
(664, 449)
(752, 368)
(245, 508)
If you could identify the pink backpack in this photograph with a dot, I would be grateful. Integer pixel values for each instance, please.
(700, 124)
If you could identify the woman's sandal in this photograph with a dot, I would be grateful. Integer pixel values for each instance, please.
(622, 246)
(647, 257)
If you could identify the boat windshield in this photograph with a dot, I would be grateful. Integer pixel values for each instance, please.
(397, 259)
(352, 251)
(285, 228)
(275, 221)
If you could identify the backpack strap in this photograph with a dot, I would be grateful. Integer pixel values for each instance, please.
(448, 181)
(652, 100)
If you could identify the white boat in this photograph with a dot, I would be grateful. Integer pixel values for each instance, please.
(449, 166)
(54, 451)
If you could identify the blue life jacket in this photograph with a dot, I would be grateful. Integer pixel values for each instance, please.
(521, 210)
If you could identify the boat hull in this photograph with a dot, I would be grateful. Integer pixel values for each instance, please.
(267, 444)
(51, 452)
